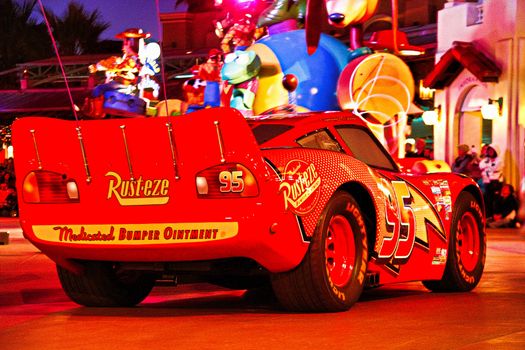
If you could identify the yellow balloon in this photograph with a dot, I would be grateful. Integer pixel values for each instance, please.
(377, 86)
(354, 11)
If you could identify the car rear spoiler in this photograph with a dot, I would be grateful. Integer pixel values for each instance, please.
(161, 147)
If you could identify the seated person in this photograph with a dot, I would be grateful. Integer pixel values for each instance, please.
(505, 209)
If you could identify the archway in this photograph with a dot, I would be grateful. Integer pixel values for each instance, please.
(470, 128)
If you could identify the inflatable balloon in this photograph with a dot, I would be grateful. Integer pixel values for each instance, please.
(342, 13)
(317, 75)
(376, 87)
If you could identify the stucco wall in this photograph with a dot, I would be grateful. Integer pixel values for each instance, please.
(501, 37)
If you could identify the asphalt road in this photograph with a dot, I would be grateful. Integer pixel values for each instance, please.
(36, 314)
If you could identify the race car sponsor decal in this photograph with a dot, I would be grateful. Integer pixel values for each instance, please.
(442, 196)
(300, 225)
(137, 234)
(138, 191)
(300, 187)
(440, 258)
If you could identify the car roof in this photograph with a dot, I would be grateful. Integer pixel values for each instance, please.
(308, 117)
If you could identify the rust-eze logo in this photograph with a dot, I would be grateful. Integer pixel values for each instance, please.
(139, 191)
(300, 186)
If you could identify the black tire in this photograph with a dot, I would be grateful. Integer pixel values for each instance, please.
(320, 283)
(466, 248)
(101, 285)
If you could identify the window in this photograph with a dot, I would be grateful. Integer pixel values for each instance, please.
(365, 147)
(265, 132)
(475, 14)
(486, 131)
(320, 140)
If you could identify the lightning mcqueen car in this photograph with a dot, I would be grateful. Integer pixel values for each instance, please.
(311, 203)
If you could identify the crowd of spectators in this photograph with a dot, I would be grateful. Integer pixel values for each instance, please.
(501, 203)
(8, 196)
(419, 149)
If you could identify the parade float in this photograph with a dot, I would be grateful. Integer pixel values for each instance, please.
(367, 78)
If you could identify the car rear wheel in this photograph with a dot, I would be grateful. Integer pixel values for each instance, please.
(102, 285)
(467, 248)
(331, 275)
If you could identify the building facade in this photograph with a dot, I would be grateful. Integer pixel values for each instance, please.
(482, 45)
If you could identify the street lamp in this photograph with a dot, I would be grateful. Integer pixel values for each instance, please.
(492, 109)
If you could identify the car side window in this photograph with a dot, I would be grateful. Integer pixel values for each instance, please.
(320, 139)
(365, 147)
(266, 132)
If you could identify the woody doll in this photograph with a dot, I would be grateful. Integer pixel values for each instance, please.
(121, 72)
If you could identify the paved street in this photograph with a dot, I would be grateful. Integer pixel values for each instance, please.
(36, 314)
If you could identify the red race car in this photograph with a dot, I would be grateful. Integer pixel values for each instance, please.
(309, 203)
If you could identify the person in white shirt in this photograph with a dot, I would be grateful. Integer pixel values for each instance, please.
(491, 167)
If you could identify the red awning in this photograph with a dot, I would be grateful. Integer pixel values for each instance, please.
(461, 56)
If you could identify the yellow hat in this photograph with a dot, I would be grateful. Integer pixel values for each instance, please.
(132, 33)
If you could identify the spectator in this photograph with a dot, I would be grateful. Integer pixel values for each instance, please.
(418, 150)
(475, 173)
(420, 147)
(10, 165)
(429, 153)
(9, 179)
(10, 207)
(466, 163)
(409, 150)
(505, 209)
(483, 152)
(479, 157)
(463, 160)
(491, 167)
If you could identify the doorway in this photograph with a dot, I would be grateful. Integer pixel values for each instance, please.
(471, 128)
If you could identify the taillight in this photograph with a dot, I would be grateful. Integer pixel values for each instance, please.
(49, 187)
(226, 181)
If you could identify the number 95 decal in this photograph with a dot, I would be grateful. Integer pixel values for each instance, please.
(231, 181)
(400, 223)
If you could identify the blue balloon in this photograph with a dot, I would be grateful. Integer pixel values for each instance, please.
(317, 74)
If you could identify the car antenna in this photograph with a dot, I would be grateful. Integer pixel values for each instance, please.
(73, 107)
(173, 146)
